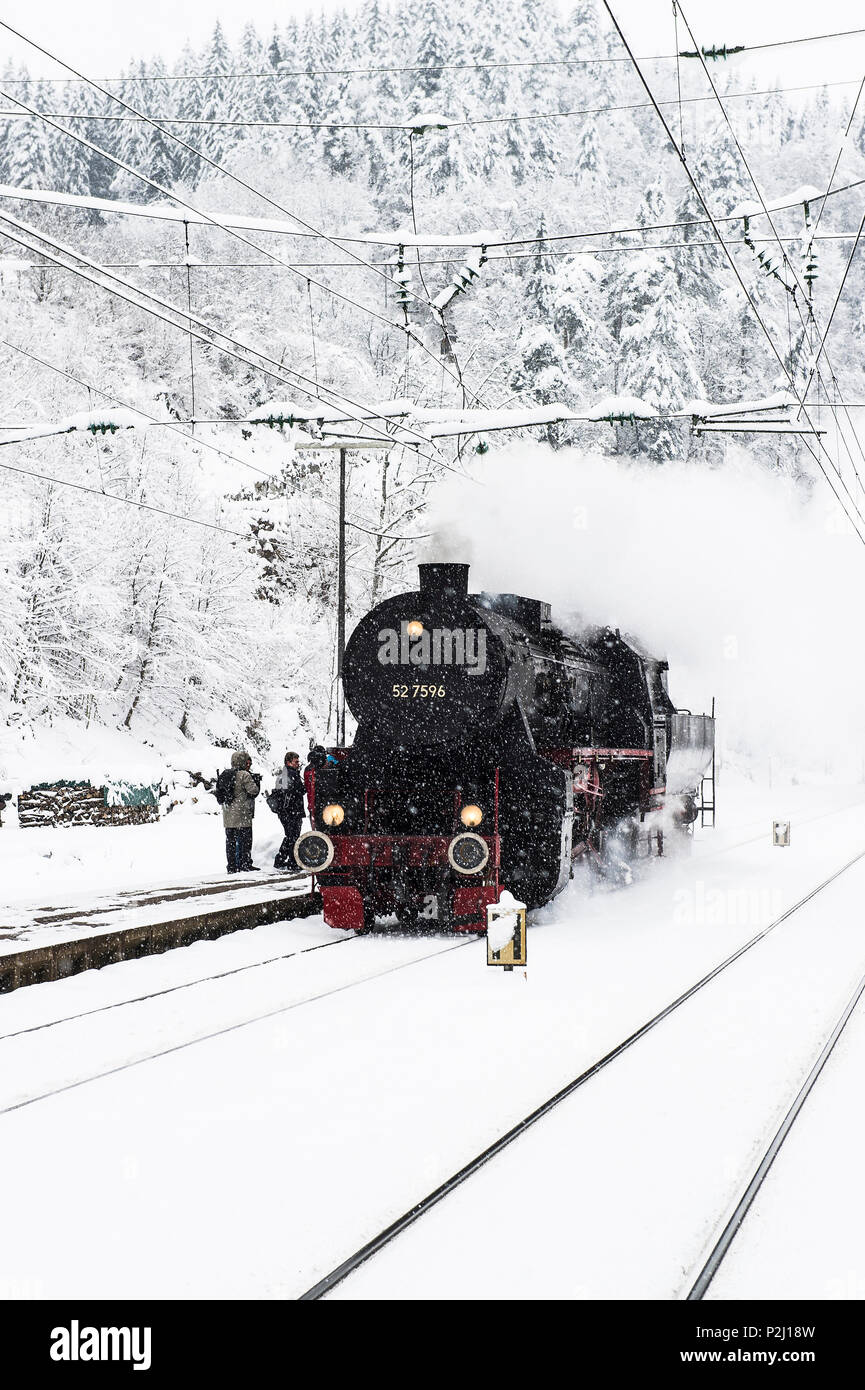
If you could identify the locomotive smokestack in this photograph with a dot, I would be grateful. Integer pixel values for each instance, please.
(444, 581)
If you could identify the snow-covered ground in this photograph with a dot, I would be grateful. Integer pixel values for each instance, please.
(805, 1234)
(86, 866)
(617, 1193)
(238, 1138)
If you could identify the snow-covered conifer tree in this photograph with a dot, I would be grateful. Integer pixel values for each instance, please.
(28, 160)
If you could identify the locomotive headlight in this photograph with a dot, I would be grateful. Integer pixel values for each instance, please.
(334, 814)
(468, 853)
(414, 628)
(314, 851)
(471, 815)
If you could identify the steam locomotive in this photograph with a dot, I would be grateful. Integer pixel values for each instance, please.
(492, 751)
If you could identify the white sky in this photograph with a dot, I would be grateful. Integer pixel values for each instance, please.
(102, 35)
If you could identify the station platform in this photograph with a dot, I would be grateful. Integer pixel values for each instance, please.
(39, 942)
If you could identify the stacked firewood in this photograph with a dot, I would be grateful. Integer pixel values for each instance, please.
(77, 803)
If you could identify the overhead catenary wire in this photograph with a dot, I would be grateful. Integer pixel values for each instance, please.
(822, 344)
(815, 236)
(794, 276)
(585, 60)
(841, 148)
(207, 217)
(463, 428)
(734, 267)
(199, 154)
(150, 123)
(728, 410)
(395, 239)
(372, 439)
(469, 121)
(113, 497)
(796, 283)
(22, 267)
(174, 426)
(707, 221)
(34, 433)
(224, 226)
(139, 297)
(215, 164)
(263, 250)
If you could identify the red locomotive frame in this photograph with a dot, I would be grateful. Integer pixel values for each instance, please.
(360, 856)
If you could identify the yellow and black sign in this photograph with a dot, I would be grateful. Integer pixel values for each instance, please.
(506, 932)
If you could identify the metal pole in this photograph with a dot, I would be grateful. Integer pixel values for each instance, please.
(340, 606)
(189, 311)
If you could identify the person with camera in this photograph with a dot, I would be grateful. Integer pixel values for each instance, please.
(286, 801)
(238, 810)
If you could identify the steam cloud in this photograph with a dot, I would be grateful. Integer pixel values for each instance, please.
(748, 583)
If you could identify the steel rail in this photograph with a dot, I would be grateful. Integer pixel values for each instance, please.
(721, 1247)
(402, 1223)
(222, 1032)
(171, 989)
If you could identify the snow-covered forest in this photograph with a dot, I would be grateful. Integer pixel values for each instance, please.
(139, 617)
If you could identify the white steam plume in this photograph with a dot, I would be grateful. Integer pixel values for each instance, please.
(748, 583)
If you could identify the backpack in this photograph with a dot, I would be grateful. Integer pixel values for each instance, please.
(224, 790)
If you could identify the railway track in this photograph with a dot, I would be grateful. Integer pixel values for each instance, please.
(59, 960)
(720, 1248)
(21, 1103)
(170, 989)
(396, 1228)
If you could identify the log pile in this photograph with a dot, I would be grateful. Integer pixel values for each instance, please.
(77, 803)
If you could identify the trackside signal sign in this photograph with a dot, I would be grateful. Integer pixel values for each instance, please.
(506, 932)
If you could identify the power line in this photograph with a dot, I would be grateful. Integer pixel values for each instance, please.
(112, 497)
(165, 424)
(731, 260)
(228, 174)
(168, 119)
(822, 344)
(790, 269)
(18, 267)
(205, 158)
(467, 241)
(262, 249)
(281, 374)
(589, 60)
(208, 217)
(185, 327)
(55, 431)
(841, 149)
(453, 420)
(668, 226)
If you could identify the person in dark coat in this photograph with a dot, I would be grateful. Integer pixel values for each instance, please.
(237, 814)
(317, 757)
(288, 793)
